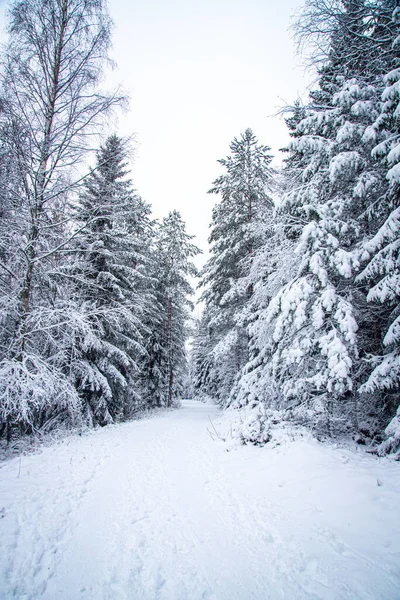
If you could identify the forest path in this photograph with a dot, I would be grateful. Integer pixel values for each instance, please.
(157, 509)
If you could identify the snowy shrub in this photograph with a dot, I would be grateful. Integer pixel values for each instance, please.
(254, 426)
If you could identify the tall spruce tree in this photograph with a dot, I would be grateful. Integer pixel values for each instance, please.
(165, 367)
(272, 267)
(237, 229)
(380, 254)
(113, 286)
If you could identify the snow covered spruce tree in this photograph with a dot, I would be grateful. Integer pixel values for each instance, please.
(112, 286)
(205, 367)
(381, 253)
(322, 326)
(50, 106)
(165, 364)
(237, 230)
(272, 266)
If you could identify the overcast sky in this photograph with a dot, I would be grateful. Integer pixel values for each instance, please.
(198, 73)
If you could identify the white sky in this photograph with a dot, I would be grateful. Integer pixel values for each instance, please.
(198, 73)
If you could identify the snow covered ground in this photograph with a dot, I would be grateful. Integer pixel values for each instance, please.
(155, 509)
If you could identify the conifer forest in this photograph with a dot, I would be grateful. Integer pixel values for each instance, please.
(300, 295)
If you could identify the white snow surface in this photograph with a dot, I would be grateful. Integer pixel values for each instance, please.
(158, 509)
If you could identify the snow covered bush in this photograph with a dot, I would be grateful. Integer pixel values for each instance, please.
(254, 427)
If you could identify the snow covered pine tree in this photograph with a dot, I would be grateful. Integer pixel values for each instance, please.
(112, 285)
(382, 251)
(166, 365)
(237, 229)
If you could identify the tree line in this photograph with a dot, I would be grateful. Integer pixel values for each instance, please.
(302, 288)
(94, 292)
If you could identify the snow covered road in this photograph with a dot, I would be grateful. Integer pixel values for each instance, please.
(155, 509)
